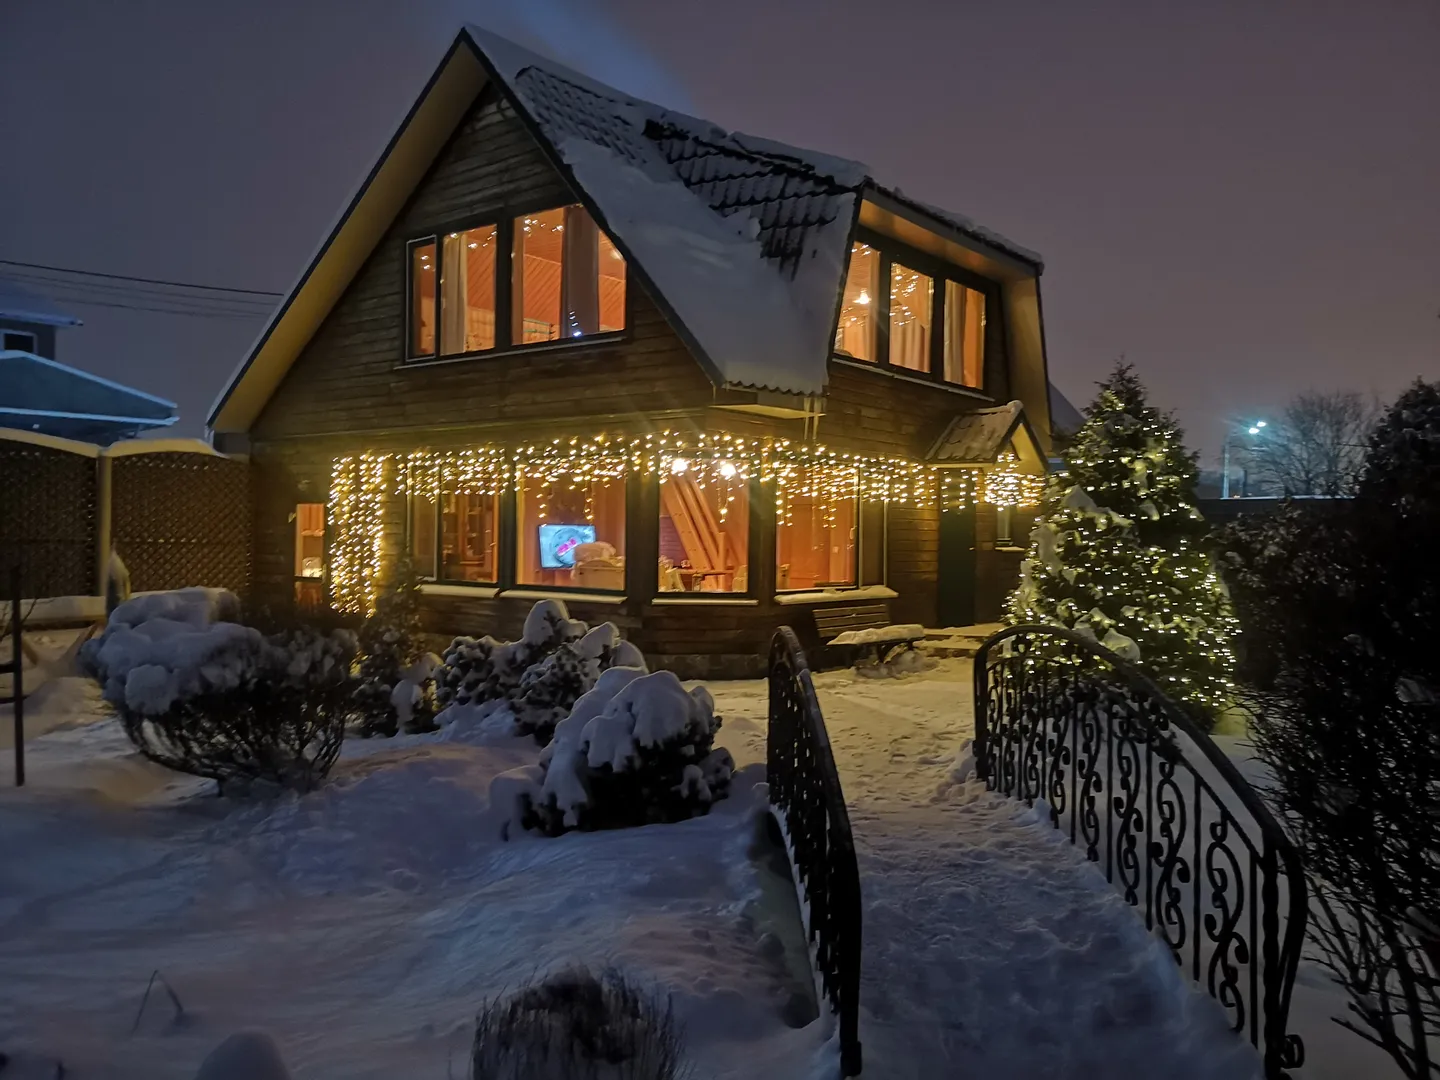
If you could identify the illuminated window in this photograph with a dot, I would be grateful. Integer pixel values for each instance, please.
(815, 532)
(467, 291)
(423, 551)
(704, 529)
(569, 279)
(469, 537)
(964, 335)
(309, 540)
(571, 533)
(855, 332)
(309, 565)
(911, 296)
(422, 298)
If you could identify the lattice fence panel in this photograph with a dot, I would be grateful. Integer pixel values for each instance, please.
(183, 519)
(47, 518)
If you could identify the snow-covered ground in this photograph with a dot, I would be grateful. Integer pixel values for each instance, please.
(363, 924)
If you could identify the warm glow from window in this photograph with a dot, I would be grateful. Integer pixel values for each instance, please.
(815, 537)
(309, 540)
(704, 530)
(855, 332)
(911, 298)
(964, 335)
(467, 291)
(572, 533)
(422, 536)
(569, 279)
(422, 299)
(470, 537)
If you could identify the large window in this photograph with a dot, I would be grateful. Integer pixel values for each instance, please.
(568, 278)
(855, 332)
(456, 538)
(964, 335)
(924, 299)
(912, 296)
(467, 291)
(704, 529)
(815, 533)
(309, 555)
(571, 533)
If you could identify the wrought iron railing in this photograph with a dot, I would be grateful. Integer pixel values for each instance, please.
(806, 800)
(1159, 807)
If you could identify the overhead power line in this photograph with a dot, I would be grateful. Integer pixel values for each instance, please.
(141, 280)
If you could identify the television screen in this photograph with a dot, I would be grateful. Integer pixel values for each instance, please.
(558, 544)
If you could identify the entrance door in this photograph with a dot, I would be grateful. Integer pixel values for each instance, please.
(955, 602)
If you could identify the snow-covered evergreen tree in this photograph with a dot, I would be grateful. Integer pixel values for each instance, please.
(1119, 553)
(391, 643)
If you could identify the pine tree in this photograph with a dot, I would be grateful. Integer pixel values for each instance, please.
(390, 644)
(1119, 552)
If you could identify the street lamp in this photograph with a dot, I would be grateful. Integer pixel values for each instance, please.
(1253, 429)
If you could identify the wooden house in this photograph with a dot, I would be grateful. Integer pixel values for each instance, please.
(563, 342)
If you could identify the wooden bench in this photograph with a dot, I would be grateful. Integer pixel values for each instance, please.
(839, 620)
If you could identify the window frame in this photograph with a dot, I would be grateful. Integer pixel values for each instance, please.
(856, 566)
(302, 583)
(438, 555)
(939, 271)
(503, 219)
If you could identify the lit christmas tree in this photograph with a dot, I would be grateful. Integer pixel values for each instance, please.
(1119, 552)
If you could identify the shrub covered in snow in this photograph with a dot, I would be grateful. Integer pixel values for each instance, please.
(636, 748)
(222, 700)
(575, 1026)
(281, 721)
(394, 689)
(538, 678)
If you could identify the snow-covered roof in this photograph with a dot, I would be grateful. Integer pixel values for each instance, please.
(18, 302)
(742, 241)
(745, 239)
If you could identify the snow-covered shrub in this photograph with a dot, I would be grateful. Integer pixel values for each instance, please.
(392, 653)
(273, 712)
(576, 1026)
(637, 748)
(538, 678)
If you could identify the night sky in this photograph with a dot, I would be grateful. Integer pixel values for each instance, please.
(1243, 198)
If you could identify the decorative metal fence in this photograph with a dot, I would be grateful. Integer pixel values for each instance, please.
(1159, 807)
(806, 800)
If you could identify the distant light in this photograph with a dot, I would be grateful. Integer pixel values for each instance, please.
(863, 298)
(679, 465)
(577, 333)
(727, 469)
(1259, 423)
(1254, 431)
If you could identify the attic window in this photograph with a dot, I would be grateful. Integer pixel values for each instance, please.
(855, 333)
(18, 339)
(568, 278)
(421, 314)
(467, 291)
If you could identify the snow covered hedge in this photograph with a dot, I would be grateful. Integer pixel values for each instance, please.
(531, 683)
(222, 700)
(637, 748)
(575, 1025)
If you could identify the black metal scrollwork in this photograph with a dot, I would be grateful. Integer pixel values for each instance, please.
(806, 800)
(1152, 800)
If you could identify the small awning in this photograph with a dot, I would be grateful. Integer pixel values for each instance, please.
(977, 439)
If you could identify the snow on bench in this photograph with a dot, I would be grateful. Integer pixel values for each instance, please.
(898, 634)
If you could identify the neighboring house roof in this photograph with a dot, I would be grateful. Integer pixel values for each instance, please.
(19, 303)
(743, 241)
(1065, 419)
(37, 394)
(980, 437)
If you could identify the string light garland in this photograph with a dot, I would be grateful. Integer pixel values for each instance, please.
(367, 488)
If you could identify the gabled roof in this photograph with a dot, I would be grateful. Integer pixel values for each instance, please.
(743, 242)
(980, 437)
(38, 394)
(19, 303)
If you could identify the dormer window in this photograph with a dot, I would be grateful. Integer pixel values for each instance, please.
(18, 339)
(565, 280)
(929, 320)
